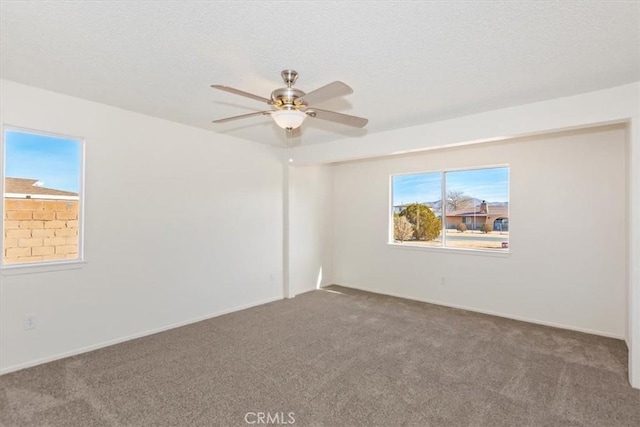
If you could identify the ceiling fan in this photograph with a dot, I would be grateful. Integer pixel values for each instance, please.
(292, 106)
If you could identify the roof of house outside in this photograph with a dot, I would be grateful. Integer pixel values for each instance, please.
(30, 187)
(493, 211)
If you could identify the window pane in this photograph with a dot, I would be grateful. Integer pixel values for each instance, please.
(42, 179)
(477, 208)
(417, 208)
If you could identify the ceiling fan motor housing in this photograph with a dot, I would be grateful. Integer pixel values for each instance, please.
(287, 98)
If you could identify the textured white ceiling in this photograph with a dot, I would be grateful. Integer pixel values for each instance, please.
(408, 62)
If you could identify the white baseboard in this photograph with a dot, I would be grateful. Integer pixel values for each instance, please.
(75, 352)
(305, 290)
(492, 313)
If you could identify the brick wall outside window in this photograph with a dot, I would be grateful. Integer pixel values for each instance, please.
(37, 230)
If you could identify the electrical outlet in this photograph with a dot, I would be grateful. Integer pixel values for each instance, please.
(29, 321)
(442, 281)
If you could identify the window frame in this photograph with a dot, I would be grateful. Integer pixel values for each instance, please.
(442, 248)
(45, 266)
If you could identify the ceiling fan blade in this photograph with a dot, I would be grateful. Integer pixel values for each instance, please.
(228, 119)
(240, 92)
(324, 93)
(332, 116)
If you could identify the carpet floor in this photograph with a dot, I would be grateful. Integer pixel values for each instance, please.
(335, 357)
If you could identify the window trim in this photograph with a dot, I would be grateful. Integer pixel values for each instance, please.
(442, 248)
(45, 266)
(458, 251)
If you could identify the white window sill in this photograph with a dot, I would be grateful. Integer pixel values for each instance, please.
(456, 251)
(41, 267)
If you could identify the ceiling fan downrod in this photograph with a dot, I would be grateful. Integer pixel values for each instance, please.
(289, 77)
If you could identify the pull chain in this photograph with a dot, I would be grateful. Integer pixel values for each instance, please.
(290, 144)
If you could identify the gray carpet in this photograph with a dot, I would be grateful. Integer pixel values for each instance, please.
(336, 357)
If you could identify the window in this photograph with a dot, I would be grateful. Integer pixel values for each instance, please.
(474, 214)
(42, 198)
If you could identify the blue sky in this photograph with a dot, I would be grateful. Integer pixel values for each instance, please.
(491, 185)
(54, 161)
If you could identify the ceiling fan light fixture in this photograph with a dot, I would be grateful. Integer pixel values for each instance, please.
(289, 119)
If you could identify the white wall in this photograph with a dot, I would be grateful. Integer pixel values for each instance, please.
(633, 213)
(114, 132)
(612, 105)
(568, 240)
(310, 228)
(181, 224)
(617, 104)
